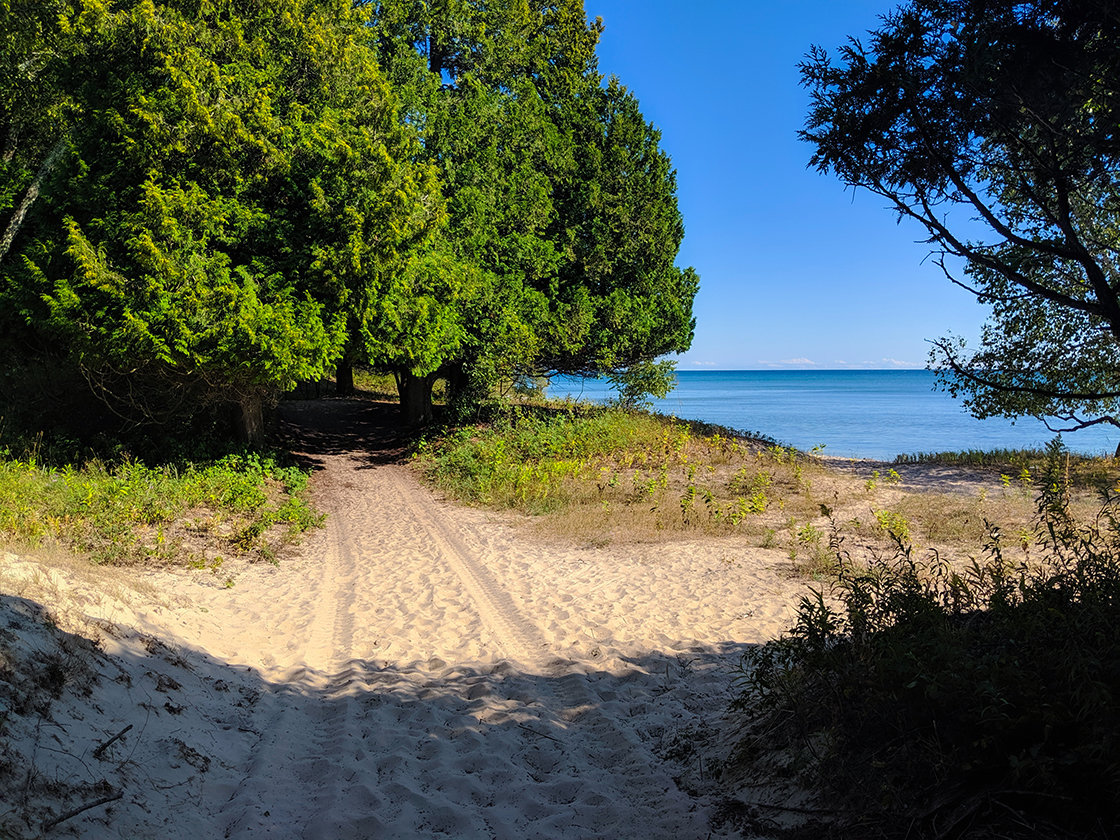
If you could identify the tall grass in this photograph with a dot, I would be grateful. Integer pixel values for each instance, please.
(612, 475)
(976, 457)
(525, 460)
(929, 701)
(1022, 464)
(128, 512)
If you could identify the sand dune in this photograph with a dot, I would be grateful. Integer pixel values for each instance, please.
(418, 670)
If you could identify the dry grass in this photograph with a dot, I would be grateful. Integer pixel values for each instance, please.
(605, 477)
(69, 585)
(808, 509)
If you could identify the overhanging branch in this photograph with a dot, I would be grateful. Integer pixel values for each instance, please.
(1048, 393)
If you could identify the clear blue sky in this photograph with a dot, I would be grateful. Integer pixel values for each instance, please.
(792, 266)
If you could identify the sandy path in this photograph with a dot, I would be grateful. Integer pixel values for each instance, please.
(424, 671)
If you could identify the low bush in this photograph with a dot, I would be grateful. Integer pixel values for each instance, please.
(1019, 466)
(523, 459)
(129, 512)
(542, 459)
(934, 702)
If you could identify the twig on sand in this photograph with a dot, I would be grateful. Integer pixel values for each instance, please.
(97, 752)
(49, 824)
(527, 729)
(791, 809)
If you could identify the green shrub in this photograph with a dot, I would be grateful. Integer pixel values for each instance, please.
(125, 512)
(894, 524)
(524, 459)
(979, 703)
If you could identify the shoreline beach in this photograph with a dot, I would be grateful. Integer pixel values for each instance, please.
(417, 669)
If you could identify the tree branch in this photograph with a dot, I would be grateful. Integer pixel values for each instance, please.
(955, 246)
(1080, 424)
(1049, 393)
(49, 824)
(29, 198)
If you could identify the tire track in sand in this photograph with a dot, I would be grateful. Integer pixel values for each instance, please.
(306, 778)
(587, 729)
(517, 637)
(283, 759)
(334, 623)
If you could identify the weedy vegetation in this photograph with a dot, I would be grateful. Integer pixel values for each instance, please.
(612, 474)
(918, 699)
(606, 475)
(122, 511)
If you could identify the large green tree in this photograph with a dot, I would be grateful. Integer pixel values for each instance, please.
(563, 227)
(994, 124)
(39, 43)
(235, 189)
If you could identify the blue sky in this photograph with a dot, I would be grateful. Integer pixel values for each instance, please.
(795, 271)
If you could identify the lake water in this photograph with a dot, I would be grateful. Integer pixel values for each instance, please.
(853, 413)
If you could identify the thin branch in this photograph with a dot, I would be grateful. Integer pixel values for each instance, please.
(961, 249)
(1079, 424)
(790, 809)
(97, 752)
(1018, 389)
(11, 143)
(29, 198)
(980, 205)
(49, 824)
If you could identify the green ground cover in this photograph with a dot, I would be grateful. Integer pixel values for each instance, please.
(126, 512)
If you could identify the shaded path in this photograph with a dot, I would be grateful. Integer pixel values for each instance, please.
(507, 739)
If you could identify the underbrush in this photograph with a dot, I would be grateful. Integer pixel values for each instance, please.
(1019, 466)
(630, 473)
(126, 512)
(597, 476)
(918, 700)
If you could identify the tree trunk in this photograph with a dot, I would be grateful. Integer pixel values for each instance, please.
(344, 378)
(416, 396)
(29, 197)
(458, 382)
(248, 419)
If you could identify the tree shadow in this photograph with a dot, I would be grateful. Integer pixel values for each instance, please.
(426, 749)
(375, 433)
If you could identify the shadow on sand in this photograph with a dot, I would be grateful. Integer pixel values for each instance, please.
(424, 750)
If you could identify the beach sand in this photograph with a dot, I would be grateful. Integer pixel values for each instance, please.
(415, 669)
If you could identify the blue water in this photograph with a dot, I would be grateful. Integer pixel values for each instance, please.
(853, 413)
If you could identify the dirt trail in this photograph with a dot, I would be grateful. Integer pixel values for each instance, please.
(394, 573)
(424, 670)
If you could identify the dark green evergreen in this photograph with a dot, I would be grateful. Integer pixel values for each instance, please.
(994, 125)
(563, 229)
(235, 187)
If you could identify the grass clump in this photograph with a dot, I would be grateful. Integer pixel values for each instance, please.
(128, 512)
(611, 473)
(524, 460)
(926, 701)
(1020, 466)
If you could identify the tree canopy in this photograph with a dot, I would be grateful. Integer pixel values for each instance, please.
(563, 225)
(207, 201)
(233, 188)
(994, 125)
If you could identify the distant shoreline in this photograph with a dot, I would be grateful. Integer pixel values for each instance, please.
(858, 413)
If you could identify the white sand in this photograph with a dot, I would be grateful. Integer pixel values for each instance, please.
(420, 670)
